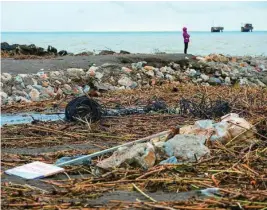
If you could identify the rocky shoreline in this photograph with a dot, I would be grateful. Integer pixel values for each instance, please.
(21, 51)
(205, 71)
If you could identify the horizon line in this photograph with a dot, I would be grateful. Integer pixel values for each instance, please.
(118, 31)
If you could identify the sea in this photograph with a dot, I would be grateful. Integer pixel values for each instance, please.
(233, 43)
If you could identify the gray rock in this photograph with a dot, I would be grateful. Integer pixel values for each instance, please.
(57, 82)
(75, 72)
(98, 75)
(169, 70)
(261, 84)
(7, 89)
(18, 79)
(163, 69)
(104, 86)
(9, 100)
(264, 80)
(21, 93)
(34, 95)
(6, 77)
(217, 73)
(215, 81)
(186, 148)
(125, 81)
(134, 85)
(192, 72)
(3, 96)
(21, 99)
(20, 86)
(199, 80)
(204, 77)
(224, 73)
(37, 87)
(169, 77)
(121, 88)
(227, 81)
(29, 80)
(139, 65)
(67, 89)
(138, 76)
(263, 67)
(243, 81)
(150, 73)
(54, 75)
(175, 66)
(159, 74)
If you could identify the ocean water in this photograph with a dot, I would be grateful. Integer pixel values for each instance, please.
(201, 43)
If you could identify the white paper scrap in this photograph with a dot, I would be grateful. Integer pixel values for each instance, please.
(34, 170)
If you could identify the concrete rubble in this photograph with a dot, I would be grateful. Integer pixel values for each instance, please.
(190, 145)
(231, 126)
(142, 154)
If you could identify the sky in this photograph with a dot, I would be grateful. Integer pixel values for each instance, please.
(77, 16)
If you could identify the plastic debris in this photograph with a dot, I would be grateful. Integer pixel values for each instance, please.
(209, 191)
(171, 160)
(34, 170)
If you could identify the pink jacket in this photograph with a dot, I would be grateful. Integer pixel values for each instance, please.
(185, 35)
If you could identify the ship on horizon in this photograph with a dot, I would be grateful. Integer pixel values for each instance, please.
(217, 29)
(247, 28)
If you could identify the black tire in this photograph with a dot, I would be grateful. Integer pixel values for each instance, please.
(84, 108)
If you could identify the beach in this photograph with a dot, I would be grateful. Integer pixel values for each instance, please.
(35, 91)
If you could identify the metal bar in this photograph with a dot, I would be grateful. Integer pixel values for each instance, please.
(96, 154)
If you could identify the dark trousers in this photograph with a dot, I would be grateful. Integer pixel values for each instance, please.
(185, 47)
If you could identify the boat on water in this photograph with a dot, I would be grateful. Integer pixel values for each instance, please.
(247, 28)
(217, 29)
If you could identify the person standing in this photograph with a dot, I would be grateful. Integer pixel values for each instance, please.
(186, 39)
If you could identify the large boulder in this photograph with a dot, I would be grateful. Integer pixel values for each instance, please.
(30, 50)
(51, 50)
(6, 47)
(62, 52)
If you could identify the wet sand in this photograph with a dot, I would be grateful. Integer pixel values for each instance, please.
(12, 66)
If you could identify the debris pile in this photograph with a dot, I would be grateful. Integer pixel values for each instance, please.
(231, 174)
(188, 146)
(210, 70)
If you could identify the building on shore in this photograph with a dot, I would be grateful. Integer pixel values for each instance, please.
(247, 28)
(217, 29)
